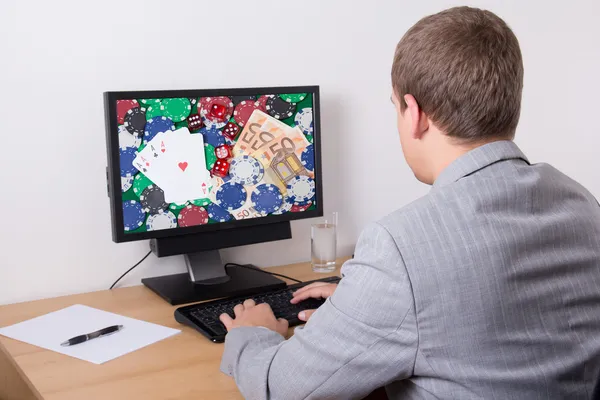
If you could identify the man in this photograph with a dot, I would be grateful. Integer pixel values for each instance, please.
(486, 288)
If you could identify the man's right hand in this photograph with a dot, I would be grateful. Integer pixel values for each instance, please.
(317, 290)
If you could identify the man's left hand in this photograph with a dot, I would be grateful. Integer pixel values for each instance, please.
(250, 314)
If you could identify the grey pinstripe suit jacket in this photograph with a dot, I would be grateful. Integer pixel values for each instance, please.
(486, 288)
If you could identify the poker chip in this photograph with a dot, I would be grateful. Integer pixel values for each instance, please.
(261, 103)
(126, 139)
(126, 183)
(301, 208)
(266, 198)
(246, 170)
(126, 157)
(166, 220)
(154, 111)
(140, 183)
(300, 189)
(201, 202)
(156, 125)
(205, 106)
(192, 215)
(243, 112)
(153, 200)
(212, 136)
(209, 156)
(123, 106)
(133, 215)
(231, 196)
(293, 97)
(177, 206)
(304, 120)
(135, 121)
(308, 158)
(238, 99)
(217, 213)
(285, 207)
(150, 102)
(278, 108)
(177, 109)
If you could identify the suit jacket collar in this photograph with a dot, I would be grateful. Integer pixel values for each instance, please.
(478, 159)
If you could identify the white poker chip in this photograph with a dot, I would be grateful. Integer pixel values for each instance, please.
(126, 139)
(126, 183)
(286, 206)
(246, 170)
(304, 120)
(165, 220)
(300, 189)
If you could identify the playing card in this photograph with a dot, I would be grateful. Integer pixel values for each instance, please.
(182, 168)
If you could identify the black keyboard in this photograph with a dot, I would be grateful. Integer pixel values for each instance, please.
(204, 317)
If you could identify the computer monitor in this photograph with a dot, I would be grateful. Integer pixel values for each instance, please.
(196, 171)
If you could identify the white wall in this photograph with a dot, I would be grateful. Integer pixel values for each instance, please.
(58, 57)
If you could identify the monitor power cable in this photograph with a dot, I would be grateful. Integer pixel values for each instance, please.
(130, 269)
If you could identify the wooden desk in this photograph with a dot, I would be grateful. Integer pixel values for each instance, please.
(185, 366)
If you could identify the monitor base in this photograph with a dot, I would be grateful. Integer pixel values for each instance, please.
(179, 289)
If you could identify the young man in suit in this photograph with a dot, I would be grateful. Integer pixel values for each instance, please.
(486, 288)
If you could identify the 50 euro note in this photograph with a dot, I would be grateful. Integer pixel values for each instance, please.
(260, 130)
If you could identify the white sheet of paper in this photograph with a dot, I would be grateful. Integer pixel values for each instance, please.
(50, 330)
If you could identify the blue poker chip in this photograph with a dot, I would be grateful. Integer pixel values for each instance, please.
(266, 198)
(308, 157)
(304, 120)
(231, 196)
(300, 190)
(246, 170)
(133, 215)
(212, 136)
(126, 157)
(156, 125)
(217, 213)
(212, 124)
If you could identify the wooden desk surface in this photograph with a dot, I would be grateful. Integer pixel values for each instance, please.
(185, 366)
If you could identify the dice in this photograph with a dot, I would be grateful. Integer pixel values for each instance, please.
(231, 130)
(223, 152)
(218, 110)
(220, 169)
(194, 122)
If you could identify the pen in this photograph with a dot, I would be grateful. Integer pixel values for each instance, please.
(84, 338)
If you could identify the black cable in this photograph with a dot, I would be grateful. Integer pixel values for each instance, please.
(262, 270)
(129, 270)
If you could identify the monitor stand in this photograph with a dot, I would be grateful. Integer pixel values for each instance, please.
(207, 278)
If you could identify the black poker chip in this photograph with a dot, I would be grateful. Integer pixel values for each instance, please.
(238, 99)
(279, 108)
(135, 121)
(153, 200)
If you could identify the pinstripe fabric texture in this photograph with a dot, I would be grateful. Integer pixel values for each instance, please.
(486, 288)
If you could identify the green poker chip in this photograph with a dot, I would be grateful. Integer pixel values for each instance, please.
(182, 124)
(140, 183)
(153, 112)
(177, 206)
(201, 202)
(210, 156)
(178, 109)
(293, 97)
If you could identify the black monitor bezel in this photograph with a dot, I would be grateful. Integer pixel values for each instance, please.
(114, 174)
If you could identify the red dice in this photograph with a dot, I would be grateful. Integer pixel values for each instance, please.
(194, 122)
(218, 110)
(220, 169)
(223, 152)
(231, 130)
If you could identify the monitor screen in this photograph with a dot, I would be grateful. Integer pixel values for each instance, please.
(194, 161)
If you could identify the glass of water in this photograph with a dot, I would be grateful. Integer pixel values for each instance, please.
(324, 243)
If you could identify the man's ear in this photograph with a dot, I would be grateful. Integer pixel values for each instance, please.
(419, 123)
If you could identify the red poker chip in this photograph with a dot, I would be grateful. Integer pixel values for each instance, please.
(192, 215)
(261, 103)
(296, 208)
(206, 103)
(243, 111)
(123, 106)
